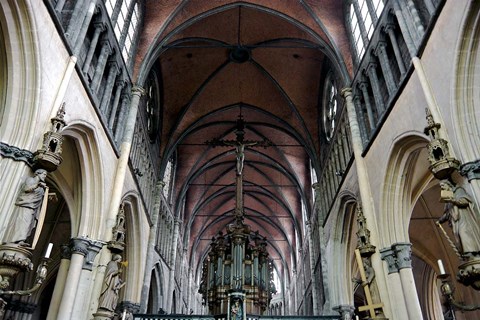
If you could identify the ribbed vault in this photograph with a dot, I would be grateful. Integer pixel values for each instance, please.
(265, 61)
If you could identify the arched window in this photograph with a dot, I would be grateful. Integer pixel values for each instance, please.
(125, 16)
(363, 16)
(330, 106)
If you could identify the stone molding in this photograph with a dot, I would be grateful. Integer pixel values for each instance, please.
(15, 153)
(471, 170)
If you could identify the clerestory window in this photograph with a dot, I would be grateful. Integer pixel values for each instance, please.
(363, 16)
(125, 16)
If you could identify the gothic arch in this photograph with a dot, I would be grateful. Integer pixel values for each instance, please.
(343, 260)
(134, 253)
(82, 175)
(22, 74)
(406, 176)
(20, 90)
(466, 107)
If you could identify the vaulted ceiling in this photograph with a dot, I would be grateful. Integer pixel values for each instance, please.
(263, 60)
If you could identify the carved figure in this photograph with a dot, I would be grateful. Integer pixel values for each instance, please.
(27, 208)
(236, 311)
(111, 285)
(462, 217)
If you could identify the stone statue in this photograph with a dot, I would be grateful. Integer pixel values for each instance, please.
(111, 285)
(27, 209)
(236, 312)
(463, 218)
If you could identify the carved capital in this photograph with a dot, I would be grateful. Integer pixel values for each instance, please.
(93, 249)
(138, 91)
(65, 251)
(130, 306)
(79, 246)
(388, 255)
(471, 170)
(346, 311)
(403, 252)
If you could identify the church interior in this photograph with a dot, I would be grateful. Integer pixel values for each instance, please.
(234, 160)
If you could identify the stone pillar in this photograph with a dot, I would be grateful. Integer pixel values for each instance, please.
(59, 6)
(375, 85)
(381, 52)
(366, 197)
(172, 257)
(100, 68)
(404, 29)
(117, 187)
(346, 311)
(79, 247)
(113, 71)
(75, 21)
(85, 283)
(394, 283)
(66, 255)
(403, 253)
(363, 123)
(84, 27)
(417, 22)
(368, 104)
(311, 251)
(119, 129)
(99, 28)
(150, 261)
(111, 114)
(390, 30)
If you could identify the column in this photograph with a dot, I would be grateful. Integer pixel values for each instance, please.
(346, 311)
(116, 192)
(312, 257)
(107, 93)
(111, 114)
(381, 52)
(368, 104)
(390, 30)
(363, 123)
(79, 247)
(119, 128)
(66, 255)
(366, 197)
(59, 6)
(404, 29)
(75, 21)
(100, 68)
(394, 283)
(99, 28)
(407, 15)
(172, 259)
(84, 26)
(420, 30)
(403, 252)
(149, 260)
(377, 96)
(85, 283)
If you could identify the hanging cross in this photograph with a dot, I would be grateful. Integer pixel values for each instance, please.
(370, 307)
(239, 143)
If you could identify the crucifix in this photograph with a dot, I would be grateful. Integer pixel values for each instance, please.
(370, 306)
(239, 143)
